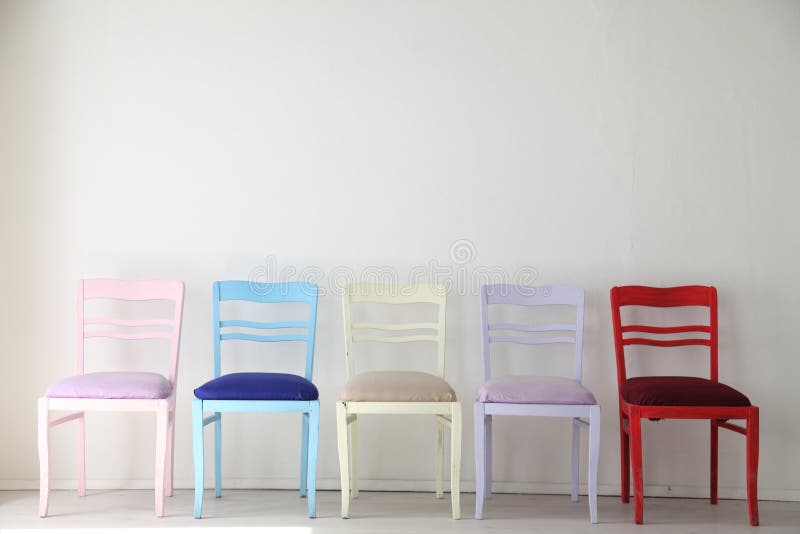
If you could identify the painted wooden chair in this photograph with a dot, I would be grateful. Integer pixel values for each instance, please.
(117, 391)
(545, 396)
(676, 397)
(396, 392)
(259, 392)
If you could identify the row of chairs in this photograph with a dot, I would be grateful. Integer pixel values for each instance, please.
(400, 392)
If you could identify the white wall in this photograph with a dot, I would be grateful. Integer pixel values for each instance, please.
(601, 143)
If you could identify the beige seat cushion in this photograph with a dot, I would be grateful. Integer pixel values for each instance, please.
(397, 386)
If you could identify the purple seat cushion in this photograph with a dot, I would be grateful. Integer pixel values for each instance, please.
(679, 391)
(122, 385)
(535, 390)
(258, 386)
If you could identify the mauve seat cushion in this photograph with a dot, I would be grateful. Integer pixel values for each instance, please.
(397, 386)
(680, 391)
(119, 385)
(258, 386)
(526, 389)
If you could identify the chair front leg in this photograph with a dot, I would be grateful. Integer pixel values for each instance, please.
(44, 455)
(313, 450)
(162, 416)
(489, 441)
(81, 452)
(576, 460)
(304, 455)
(455, 458)
(170, 467)
(636, 461)
(344, 457)
(439, 459)
(218, 455)
(594, 459)
(353, 426)
(480, 458)
(714, 469)
(199, 460)
(752, 464)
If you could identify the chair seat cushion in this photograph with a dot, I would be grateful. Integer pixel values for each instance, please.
(118, 385)
(397, 386)
(680, 391)
(535, 390)
(258, 386)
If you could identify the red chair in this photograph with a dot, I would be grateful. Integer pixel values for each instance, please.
(676, 397)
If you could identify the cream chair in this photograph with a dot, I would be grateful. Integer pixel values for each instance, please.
(396, 392)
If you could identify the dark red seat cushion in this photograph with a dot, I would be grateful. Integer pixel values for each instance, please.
(680, 391)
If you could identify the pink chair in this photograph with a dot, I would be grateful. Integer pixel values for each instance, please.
(117, 391)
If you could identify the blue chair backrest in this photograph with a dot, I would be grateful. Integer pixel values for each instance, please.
(280, 292)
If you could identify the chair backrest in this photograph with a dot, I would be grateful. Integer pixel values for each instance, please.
(394, 332)
(132, 290)
(505, 294)
(663, 297)
(272, 293)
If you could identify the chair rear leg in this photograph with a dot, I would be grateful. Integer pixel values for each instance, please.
(162, 416)
(304, 455)
(480, 458)
(82, 455)
(354, 458)
(489, 441)
(636, 460)
(714, 460)
(455, 458)
(752, 465)
(576, 460)
(594, 459)
(625, 459)
(44, 455)
(170, 462)
(344, 457)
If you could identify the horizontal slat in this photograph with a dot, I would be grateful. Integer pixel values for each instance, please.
(664, 296)
(130, 322)
(394, 339)
(529, 328)
(665, 342)
(259, 406)
(530, 340)
(666, 329)
(395, 326)
(137, 335)
(263, 326)
(253, 337)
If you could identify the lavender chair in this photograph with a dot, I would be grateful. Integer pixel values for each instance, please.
(548, 396)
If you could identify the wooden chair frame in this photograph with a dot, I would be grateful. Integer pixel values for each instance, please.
(447, 413)
(631, 415)
(130, 290)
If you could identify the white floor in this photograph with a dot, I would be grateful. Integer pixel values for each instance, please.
(387, 512)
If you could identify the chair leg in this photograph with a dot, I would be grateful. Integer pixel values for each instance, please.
(625, 459)
(714, 460)
(304, 456)
(576, 460)
(455, 458)
(344, 457)
(312, 451)
(594, 459)
(488, 489)
(439, 460)
(170, 467)
(480, 458)
(197, 447)
(162, 415)
(636, 461)
(354, 458)
(218, 455)
(752, 464)
(44, 455)
(82, 455)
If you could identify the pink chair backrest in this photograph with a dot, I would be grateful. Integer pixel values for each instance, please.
(132, 290)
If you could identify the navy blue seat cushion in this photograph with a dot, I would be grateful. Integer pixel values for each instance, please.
(258, 386)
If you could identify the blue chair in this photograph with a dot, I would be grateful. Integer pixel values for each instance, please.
(259, 392)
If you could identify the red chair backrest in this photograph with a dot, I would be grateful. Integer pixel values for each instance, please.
(663, 297)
